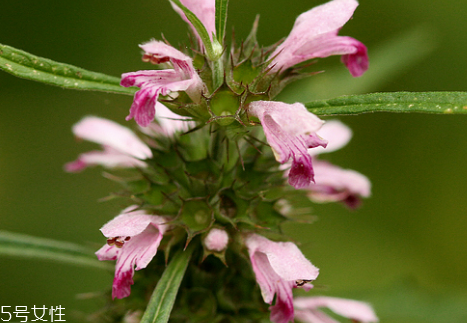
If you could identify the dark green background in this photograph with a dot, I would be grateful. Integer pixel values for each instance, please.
(405, 250)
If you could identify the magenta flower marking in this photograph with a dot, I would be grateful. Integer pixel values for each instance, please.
(279, 267)
(290, 130)
(307, 310)
(122, 148)
(133, 239)
(314, 34)
(153, 83)
(205, 10)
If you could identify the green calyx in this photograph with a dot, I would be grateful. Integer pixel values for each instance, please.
(215, 176)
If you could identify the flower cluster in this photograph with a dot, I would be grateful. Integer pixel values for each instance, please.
(202, 173)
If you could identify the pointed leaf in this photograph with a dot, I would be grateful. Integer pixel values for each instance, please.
(162, 300)
(402, 102)
(221, 19)
(35, 68)
(213, 48)
(25, 246)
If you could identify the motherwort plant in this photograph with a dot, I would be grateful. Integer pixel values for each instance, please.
(215, 166)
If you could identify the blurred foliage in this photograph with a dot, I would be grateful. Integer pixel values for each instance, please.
(414, 224)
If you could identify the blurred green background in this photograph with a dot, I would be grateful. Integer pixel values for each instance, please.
(405, 250)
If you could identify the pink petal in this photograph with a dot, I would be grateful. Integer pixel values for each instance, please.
(315, 35)
(109, 133)
(337, 135)
(313, 316)
(152, 83)
(108, 158)
(356, 62)
(163, 51)
(183, 70)
(285, 258)
(140, 235)
(333, 184)
(277, 267)
(75, 166)
(301, 173)
(290, 130)
(132, 222)
(168, 123)
(107, 252)
(355, 310)
(282, 311)
(143, 108)
(271, 284)
(172, 122)
(138, 251)
(161, 82)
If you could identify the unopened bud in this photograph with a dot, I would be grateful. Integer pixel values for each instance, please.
(216, 240)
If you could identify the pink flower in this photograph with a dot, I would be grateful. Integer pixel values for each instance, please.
(216, 240)
(279, 267)
(153, 83)
(168, 123)
(204, 10)
(122, 148)
(314, 34)
(290, 130)
(133, 239)
(333, 183)
(306, 310)
(337, 135)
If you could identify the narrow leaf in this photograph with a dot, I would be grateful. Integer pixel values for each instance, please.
(35, 68)
(163, 298)
(221, 19)
(402, 102)
(25, 246)
(213, 50)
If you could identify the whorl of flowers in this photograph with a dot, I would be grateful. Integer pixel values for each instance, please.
(203, 168)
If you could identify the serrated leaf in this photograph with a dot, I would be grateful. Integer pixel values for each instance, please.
(401, 102)
(163, 298)
(35, 68)
(221, 19)
(25, 246)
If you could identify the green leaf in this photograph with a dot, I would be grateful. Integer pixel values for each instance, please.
(213, 48)
(221, 19)
(163, 298)
(35, 68)
(25, 246)
(402, 102)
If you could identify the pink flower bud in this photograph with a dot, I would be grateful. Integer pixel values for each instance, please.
(216, 240)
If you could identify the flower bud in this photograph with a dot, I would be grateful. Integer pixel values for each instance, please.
(216, 240)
